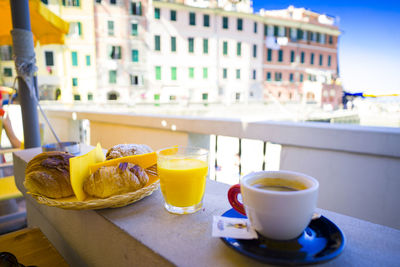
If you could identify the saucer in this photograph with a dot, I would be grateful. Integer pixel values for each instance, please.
(321, 241)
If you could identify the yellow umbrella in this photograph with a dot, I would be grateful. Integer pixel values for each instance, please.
(47, 27)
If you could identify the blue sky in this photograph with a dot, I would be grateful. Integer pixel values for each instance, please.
(369, 46)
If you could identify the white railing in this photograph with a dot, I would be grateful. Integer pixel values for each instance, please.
(358, 167)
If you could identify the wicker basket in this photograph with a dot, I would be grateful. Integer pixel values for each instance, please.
(71, 203)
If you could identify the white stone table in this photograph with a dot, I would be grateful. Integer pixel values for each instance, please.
(145, 234)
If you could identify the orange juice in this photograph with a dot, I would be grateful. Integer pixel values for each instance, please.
(182, 181)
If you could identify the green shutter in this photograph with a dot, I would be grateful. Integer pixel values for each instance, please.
(225, 48)
(157, 41)
(74, 56)
(88, 60)
(269, 54)
(158, 73)
(205, 46)
(191, 45)
(238, 74)
(74, 81)
(112, 76)
(292, 56)
(80, 29)
(238, 49)
(173, 44)
(191, 73)
(156, 13)
(173, 73)
(135, 55)
(205, 73)
(224, 73)
(134, 29)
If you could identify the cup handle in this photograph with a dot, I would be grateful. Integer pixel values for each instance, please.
(233, 192)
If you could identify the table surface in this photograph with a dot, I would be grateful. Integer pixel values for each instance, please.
(31, 247)
(185, 240)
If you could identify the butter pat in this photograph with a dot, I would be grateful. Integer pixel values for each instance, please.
(79, 169)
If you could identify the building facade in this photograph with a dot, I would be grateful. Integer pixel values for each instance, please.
(188, 51)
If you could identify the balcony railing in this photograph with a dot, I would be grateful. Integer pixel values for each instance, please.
(357, 166)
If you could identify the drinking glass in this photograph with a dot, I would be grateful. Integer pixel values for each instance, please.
(182, 172)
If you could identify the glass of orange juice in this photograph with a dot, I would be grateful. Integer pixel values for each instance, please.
(182, 172)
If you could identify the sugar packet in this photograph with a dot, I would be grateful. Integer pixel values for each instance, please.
(233, 228)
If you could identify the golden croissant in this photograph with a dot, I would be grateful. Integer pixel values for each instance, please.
(114, 180)
(48, 174)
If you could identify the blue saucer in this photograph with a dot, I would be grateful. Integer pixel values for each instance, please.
(321, 241)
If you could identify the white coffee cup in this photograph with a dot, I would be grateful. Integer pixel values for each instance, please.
(280, 215)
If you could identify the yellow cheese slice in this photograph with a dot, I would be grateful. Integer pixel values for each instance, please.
(79, 169)
(143, 160)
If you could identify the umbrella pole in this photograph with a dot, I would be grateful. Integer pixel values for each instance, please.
(30, 120)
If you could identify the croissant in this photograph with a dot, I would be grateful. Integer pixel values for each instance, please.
(124, 150)
(114, 180)
(47, 174)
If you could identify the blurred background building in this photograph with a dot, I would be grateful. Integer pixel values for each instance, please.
(187, 51)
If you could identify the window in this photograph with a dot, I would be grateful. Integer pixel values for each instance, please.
(238, 74)
(134, 79)
(291, 77)
(312, 59)
(278, 76)
(110, 26)
(330, 39)
(136, 8)
(302, 57)
(6, 52)
(255, 27)
(134, 29)
(265, 30)
(269, 54)
(112, 76)
(254, 50)
(254, 74)
(115, 52)
(206, 20)
(204, 96)
(321, 59)
(173, 73)
(225, 48)
(113, 2)
(158, 73)
(276, 31)
(157, 43)
(300, 34)
(74, 81)
(7, 72)
(329, 61)
(191, 45)
(77, 97)
(75, 29)
(225, 22)
(49, 58)
(323, 38)
(88, 60)
(239, 49)
(268, 78)
(135, 55)
(240, 24)
(292, 56)
(45, 2)
(172, 14)
(224, 73)
(318, 39)
(192, 18)
(191, 73)
(280, 55)
(157, 13)
(205, 46)
(205, 73)
(75, 3)
(293, 34)
(301, 77)
(89, 96)
(173, 44)
(74, 58)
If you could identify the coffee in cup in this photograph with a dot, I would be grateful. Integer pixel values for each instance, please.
(279, 204)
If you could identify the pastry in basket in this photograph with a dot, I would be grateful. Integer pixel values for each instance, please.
(114, 180)
(123, 150)
(47, 174)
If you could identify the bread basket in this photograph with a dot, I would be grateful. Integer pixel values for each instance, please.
(71, 203)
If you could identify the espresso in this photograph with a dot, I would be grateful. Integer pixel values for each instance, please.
(279, 184)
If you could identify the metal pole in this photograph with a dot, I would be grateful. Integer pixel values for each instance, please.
(30, 120)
